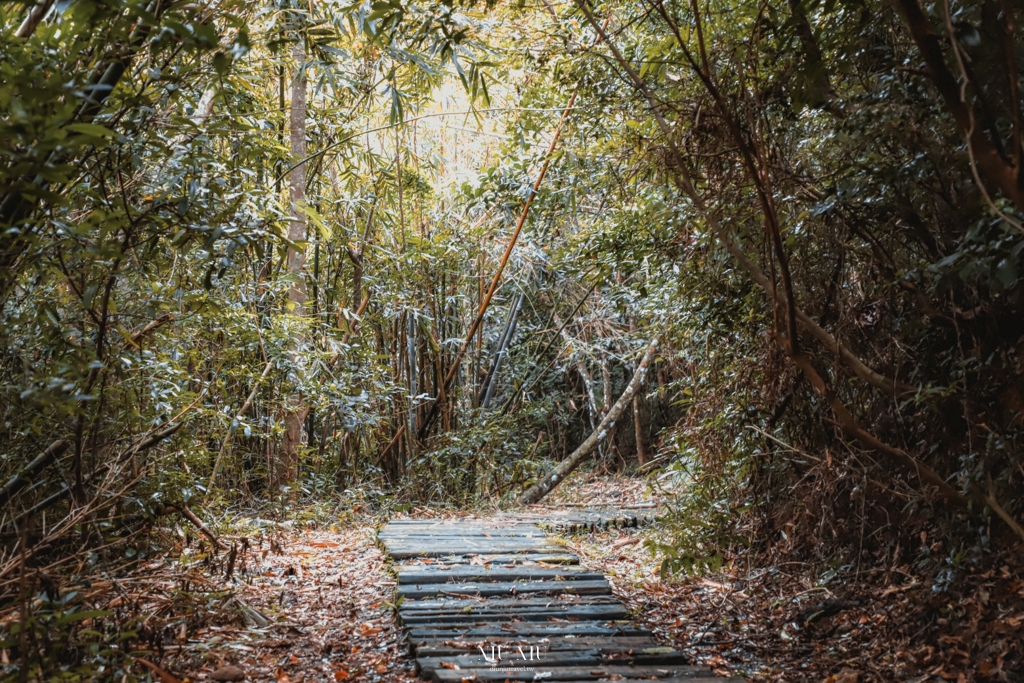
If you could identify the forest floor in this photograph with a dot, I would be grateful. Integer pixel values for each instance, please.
(310, 601)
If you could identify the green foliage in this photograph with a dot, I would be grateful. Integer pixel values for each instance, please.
(149, 287)
(699, 525)
(69, 641)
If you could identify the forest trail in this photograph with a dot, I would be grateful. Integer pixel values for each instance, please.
(499, 599)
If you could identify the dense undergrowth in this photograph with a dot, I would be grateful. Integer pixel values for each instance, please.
(262, 254)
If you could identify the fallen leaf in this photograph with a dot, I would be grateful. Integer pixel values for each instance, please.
(228, 672)
(368, 629)
(164, 676)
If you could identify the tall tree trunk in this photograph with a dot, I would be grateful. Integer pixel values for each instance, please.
(412, 369)
(296, 408)
(606, 402)
(638, 425)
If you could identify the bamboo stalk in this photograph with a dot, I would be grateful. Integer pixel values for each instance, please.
(238, 417)
(502, 263)
(506, 339)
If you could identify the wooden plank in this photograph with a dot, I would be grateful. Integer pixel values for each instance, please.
(474, 574)
(389, 539)
(590, 658)
(525, 530)
(581, 673)
(501, 603)
(460, 533)
(469, 676)
(483, 609)
(480, 539)
(603, 644)
(582, 628)
(509, 525)
(469, 547)
(401, 551)
(572, 613)
(419, 591)
(560, 558)
(460, 546)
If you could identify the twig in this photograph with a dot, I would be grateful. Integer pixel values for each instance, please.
(163, 675)
(198, 523)
(990, 500)
(22, 479)
(133, 339)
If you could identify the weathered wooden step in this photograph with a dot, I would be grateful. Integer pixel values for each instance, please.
(562, 557)
(419, 591)
(586, 519)
(468, 590)
(453, 531)
(402, 551)
(560, 659)
(603, 644)
(462, 602)
(516, 672)
(477, 610)
(416, 575)
(524, 629)
(490, 522)
(572, 613)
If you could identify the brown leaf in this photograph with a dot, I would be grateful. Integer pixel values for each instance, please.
(848, 676)
(164, 676)
(228, 673)
(368, 629)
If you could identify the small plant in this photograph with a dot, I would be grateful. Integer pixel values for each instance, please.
(63, 638)
(700, 523)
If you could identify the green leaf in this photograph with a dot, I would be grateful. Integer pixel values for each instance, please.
(93, 129)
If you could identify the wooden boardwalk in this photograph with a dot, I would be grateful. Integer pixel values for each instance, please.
(497, 600)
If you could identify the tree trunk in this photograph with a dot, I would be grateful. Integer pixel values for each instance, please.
(588, 383)
(638, 425)
(413, 376)
(555, 477)
(606, 401)
(296, 408)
